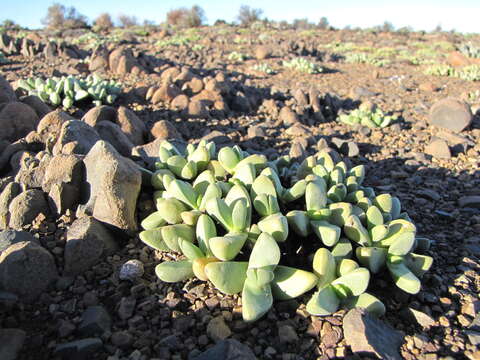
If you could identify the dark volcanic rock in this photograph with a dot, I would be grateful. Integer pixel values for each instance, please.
(11, 342)
(95, 321)
(227, 350)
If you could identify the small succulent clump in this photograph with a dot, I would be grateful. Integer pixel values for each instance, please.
(469, 73)
(365, 116)
(236, 56)
(303, 65)
(470, 50)
(66, 91)
(263, 68)
(276, 230)
(363, 58)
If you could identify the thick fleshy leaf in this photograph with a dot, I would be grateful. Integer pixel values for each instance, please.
(315, 196)
(217, 169)
(257, 160)
(246, 173)
(337, 192)
(265, 252)
(359, 172)
(266, 204)
(378, 233)
(342, 250)
(272, 174)
(153, 238)
(403, 277)
(205, 230)
(373, 258)
(275, 225)
(227, 247)
(366, 301)
(403, 244)
(340, 213)
(363, 203)
(171, 234)
(201, 157)
(319, 215)
(171, 210)
(356, 232)
(199, 264)
(220, 211)
(202, 181)
(184, 192)
(306, 167)
(326, 160)
(374, 217)
(418, 264)
(212, 191)
(256, 301)
(190, 250)
(174, 271)
(263, 185)
(240, 215)
(190, 217)
(396, 208)
(328, 233)
(295, 192)
(346, 266)
(353, 283)
(399, 237)
(239, 192)
(323, 302)
(189, 171)
(228, 277)
(153, 221)
(261, 277)
(324, 267)
(352, 184)
(299, 222)
(157, 178)
(290, 283)
(384, 202)
(228, 158)
(176, 163)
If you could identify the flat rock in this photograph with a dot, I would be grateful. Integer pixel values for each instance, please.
(11, 342)
(25, 207)
(439, 149)
(369, 336)
(451, 114)
(87, 241)
(79, 349)
(229, 349)
(114, 184)
(27, 269)
(419, 317)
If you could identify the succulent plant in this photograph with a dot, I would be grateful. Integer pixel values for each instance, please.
(263, 68)
(236, 56)
(367, 117)
(277, 229)
(303, 65)
(66, 91)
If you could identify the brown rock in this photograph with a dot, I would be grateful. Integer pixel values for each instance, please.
(451, 114)
(81, 134)
(194, 86)
(262, 52)
(180, 103)
(27, 269)
(197, 109)
(25, 207)
(6, 91)
(6, 197)
(112, 133)
(287, 116)
(456, 58)
(150, 92)
(17, 120)
(100, 113)
(169, 74)
(428, 87)
(439, 149)
(166, 93)
(131, 125)
(217, 329)
(114, 58)
(125, 65)
(164, 129)
(37, 105)
(50, 125)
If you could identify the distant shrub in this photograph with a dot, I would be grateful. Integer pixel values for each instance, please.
(61, 17)
(8, 24)
(247, 15)
(302, 24)
(237, 57)
(127, 21)
(323, 24)
(470, 50)
(186, 18)
(103, 22)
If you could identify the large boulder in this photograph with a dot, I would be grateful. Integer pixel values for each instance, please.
(17, 120)
(112, 133)
(51, 124)
(114, 184)
(25, 207)
(87, 241)
(131, 125)
(78, 133)
(100, 113)
(10, 237)
(37, 105)
(27, 269)
(452, 114)
(6, 92)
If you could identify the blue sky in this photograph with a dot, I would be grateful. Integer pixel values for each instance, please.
(461, 15)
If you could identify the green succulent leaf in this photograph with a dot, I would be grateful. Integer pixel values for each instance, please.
(228, 277)
(275, 225)
(184, 192)
(290, 283)
(324, 267)
(174, 271)
(373, 258)
(418, 264)
(256, 300)
(265, 252)
(324, 302)
(227, 247)
(366, 301)
(205, 230)
(403, 277)
(172, 233)
(356, 232)
(353, 283)
(329, 234)
(299, 222)
(342, 250)
(153, 221)
(153, 238)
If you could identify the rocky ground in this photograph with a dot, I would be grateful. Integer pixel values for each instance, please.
(78, 283)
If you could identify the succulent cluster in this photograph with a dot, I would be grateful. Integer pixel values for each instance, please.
(303, 65)
(263, 68)
(364, 58)
(469, 73)
(275, 229)
(68, 90)
(470, 50)
(236, 56)
(365, 116)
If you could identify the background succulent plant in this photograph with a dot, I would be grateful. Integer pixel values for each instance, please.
(365, 116)
(276, 229)
(303, 65)
(66, 91)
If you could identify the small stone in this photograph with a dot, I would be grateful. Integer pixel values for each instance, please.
(229, 349)
(217, 329)
(451, 114)
(287, 116)
(255, 131)
(297, 152)
(66, 328)
(298, 130)
(25, 207)
(262, 52)
(131, 270)
(366, 334)
(287, 334)
(438, 149)
(422, 319)
(79, 349)
(122, 339)
(164, 130)
(95, 321)
(16, 121)
(126, 307)
(470, 201)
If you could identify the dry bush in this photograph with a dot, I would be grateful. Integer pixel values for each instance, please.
(186, 18)
(127, 21)
(247, 15)
(61, 17)
(103, 22)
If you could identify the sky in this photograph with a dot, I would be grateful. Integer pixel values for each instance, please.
(461, 15)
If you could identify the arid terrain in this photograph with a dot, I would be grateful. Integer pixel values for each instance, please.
(230, 85)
